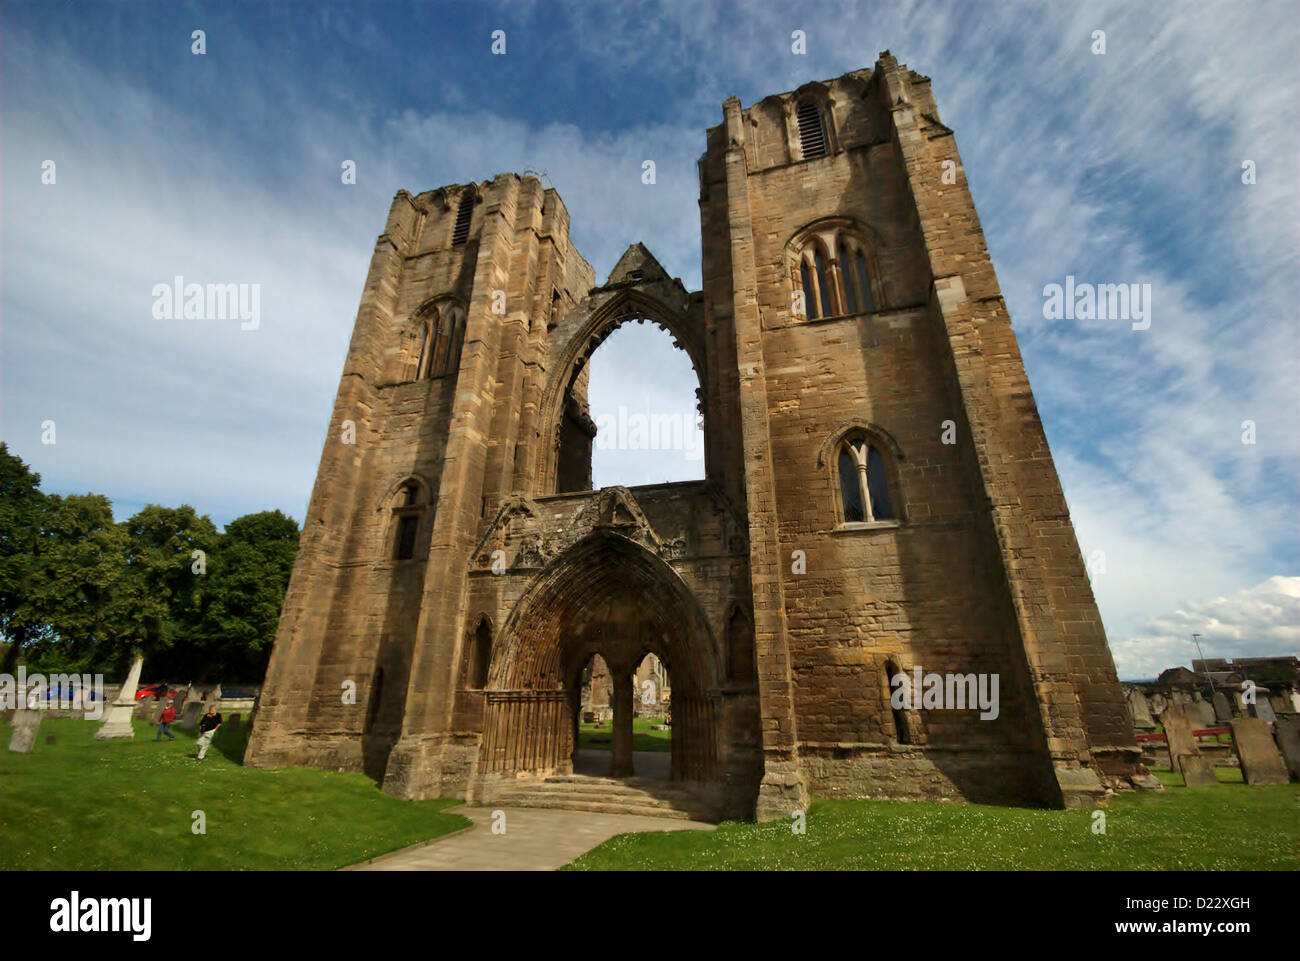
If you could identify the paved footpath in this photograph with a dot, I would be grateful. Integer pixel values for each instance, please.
(536, 839)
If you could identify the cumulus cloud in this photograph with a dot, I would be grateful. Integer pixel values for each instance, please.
(1260, 621)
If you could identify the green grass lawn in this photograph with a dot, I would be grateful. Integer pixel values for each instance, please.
(643, 738)
(82, 804)
(1230, 827)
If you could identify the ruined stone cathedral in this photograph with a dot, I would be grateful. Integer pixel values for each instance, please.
(878, 499)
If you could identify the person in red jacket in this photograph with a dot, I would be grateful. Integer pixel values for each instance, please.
(165, 723)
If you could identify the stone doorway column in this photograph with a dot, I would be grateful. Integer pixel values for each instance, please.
(621, 698)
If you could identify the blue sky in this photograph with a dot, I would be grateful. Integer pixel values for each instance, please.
(1119, 168)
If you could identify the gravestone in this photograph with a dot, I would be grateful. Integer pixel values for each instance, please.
(191, 716)
(26, 724)
(1140, 709)
(1264, 710)
(232, 721)
(1261, 763)
(1202, 713)
(1222, 709)
(1287, 734)
(1158, 704)
(1197, 771)
(1184, 756)
(1178, 733)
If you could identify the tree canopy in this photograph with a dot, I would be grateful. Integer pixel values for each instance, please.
(79, 591)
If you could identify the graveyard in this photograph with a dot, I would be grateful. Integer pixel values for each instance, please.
(77, 803)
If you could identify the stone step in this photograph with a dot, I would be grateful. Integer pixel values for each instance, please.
(607, 796)
(611, 787)
(606, 806)
(612, 796)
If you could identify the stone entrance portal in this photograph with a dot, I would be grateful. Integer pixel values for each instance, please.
(611, 597)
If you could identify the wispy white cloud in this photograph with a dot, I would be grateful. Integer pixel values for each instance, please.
(1122, 168)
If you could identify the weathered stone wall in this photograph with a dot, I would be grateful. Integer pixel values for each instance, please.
(788, 618)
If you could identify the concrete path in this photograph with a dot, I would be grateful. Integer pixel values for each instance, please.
(536, 839)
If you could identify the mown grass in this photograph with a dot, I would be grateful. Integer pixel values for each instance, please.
(644, 738)
(1229, 827)
(81, 804)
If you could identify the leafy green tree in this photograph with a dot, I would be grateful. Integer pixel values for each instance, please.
(249, 576)
(158, 607)
(76, 577)
(22, 517)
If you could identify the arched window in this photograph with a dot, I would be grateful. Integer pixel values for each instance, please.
(480, 655)
(864, 481)
(841, 285)
(812, 132)
(408, 511)
(442, 339)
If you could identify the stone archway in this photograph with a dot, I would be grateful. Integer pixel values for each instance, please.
(605, 595)
(558, 416)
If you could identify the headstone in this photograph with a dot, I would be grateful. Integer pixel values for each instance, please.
(1178, 734)
(1264, 710)
(1287, 734)
(1158, 704)
(1222, 709)
(1202, 713)
(1261, 763)
(118, 724)
(191, 716)
(26, 724)
(1140, 709)
(232, 721)
(1197, 771)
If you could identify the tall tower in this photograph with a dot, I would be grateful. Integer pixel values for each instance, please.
(879, 503)
(438, 391)
(904, 510)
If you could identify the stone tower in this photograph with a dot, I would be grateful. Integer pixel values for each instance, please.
(878, 500)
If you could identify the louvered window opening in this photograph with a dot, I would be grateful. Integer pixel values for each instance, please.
(812, 135)
(460, 235)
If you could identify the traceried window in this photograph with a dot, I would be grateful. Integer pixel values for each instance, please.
(864, 482)
(442, 338)
(835, 281)
(812, 132)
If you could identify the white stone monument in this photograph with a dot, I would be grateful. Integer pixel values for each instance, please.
(118, 723)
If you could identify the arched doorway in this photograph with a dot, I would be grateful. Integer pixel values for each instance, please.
(608, 596)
